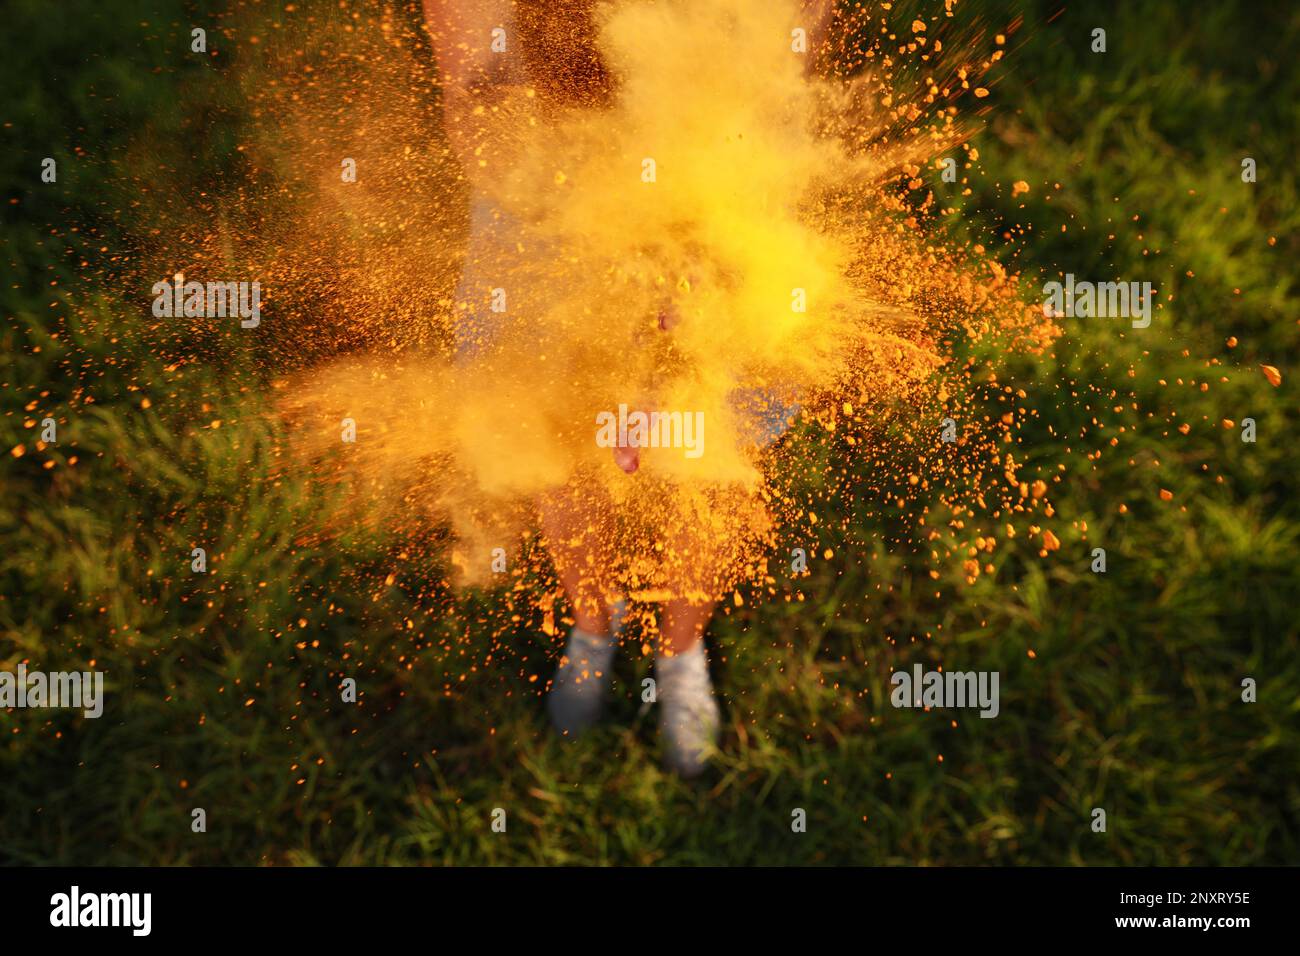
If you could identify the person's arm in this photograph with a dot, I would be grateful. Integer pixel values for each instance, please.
(475, 77)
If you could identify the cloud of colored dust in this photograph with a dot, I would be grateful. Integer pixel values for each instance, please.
(673, 292)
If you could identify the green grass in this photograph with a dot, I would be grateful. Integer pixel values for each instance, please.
(1130, 700)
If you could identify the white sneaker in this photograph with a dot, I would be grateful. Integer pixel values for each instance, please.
(576, 700)
(688, 714)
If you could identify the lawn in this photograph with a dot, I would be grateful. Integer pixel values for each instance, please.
(1120, 690)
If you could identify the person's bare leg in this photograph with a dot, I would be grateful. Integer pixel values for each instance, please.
(575, 548)
(683, 624)
(569, 522)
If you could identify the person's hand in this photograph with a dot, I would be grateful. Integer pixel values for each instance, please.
(669, 316)
(628, 457)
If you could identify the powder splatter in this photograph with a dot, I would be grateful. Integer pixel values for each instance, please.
(725, 228)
